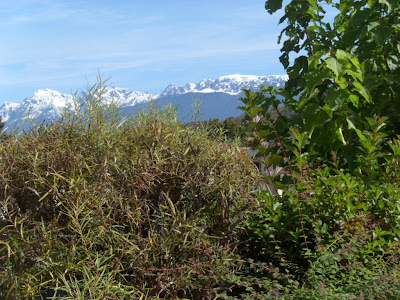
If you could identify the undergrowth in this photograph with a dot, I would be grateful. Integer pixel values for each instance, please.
(96, 206)
(334, 233)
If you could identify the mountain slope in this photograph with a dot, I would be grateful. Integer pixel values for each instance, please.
(219, 99)
(42, 105)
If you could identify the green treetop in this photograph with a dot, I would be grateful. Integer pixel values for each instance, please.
(341, 74)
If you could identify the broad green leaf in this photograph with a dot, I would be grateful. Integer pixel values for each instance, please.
(273, 5)
(393, 62)
(314, 116)
(355, 62)
(356, 75)
(350, 123)
(344, 6)
(313, 78)
(354, 99)
(263, 133)
(341, 81)
(337, 98)
(361, 89)
(342, 55)
(381, 33)
(328, 110)
(255, 110)
(361, 135)
(332, 64)
(371, 81)
(314, 60)
(372, 25)
(360, 16)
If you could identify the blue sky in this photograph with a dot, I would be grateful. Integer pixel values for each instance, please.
(141, 45)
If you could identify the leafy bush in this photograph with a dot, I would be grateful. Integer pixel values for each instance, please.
(231, 129)
(99, 207)
(334, 233)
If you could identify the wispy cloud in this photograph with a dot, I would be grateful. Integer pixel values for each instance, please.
(39, 12)
(52, 43)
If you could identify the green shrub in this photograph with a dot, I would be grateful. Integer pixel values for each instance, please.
(332, 234)
(335, 231)
(96, 206)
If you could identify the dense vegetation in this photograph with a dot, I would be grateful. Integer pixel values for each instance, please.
(334, 233)
(237, 128)
(231, 129)
(99, 207)
(96, 207)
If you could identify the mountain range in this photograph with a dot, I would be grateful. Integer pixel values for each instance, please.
(219, 99)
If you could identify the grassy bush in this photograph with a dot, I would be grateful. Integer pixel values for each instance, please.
(100, 207)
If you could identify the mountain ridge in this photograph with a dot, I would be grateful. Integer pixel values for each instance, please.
(48, 105)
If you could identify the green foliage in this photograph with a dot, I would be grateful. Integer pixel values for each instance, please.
(334, 232)
(99, 207)
(231, 129)
(345, 72)
(333, 229)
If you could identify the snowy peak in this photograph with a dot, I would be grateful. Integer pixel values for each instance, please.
(222, 94)
(248, 80)
(172, 90)
(177, 90)
(231, 84)
(124, 96)
(42, 102)
(47, 99)
(45, 95)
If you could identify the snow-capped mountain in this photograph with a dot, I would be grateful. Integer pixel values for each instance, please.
(125, 96)
(230, 84)
(219, 99)
(42, 105)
